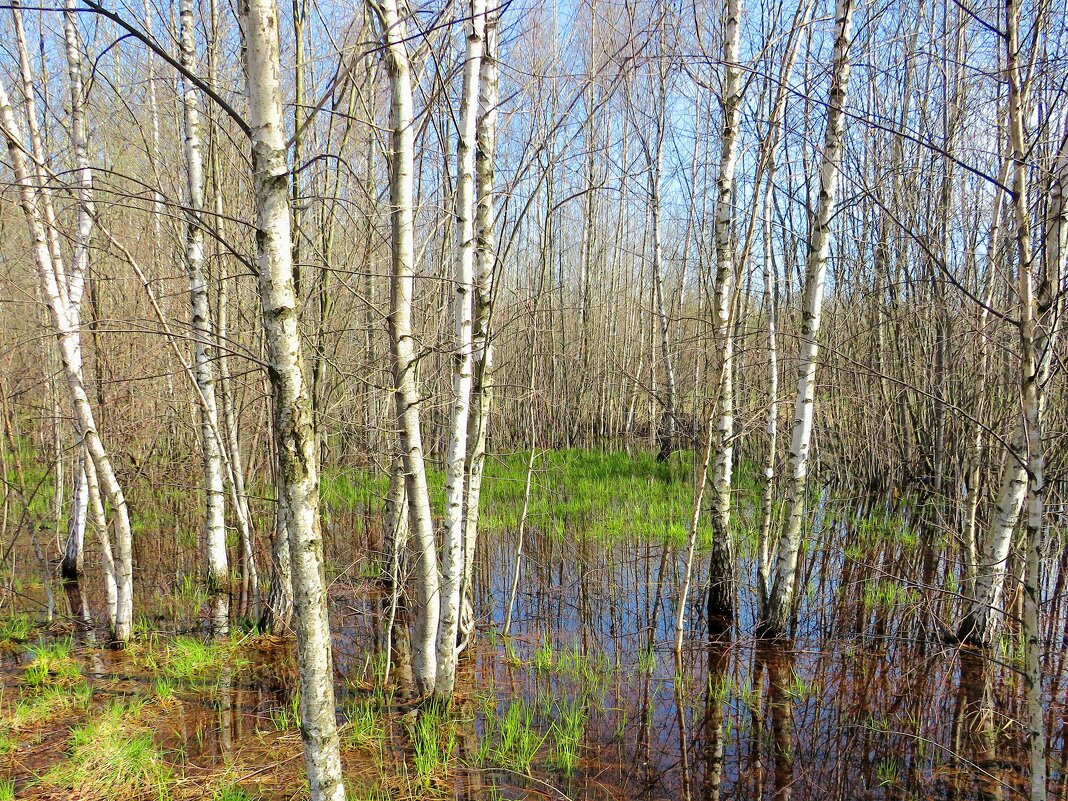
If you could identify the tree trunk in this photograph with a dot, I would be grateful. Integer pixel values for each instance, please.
(721, 587)
(776, 614)
(482, 345)
(217, 573)
(452, 557)
(36, 203)
(294, 431)
(402, 344)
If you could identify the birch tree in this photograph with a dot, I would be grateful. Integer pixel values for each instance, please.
(217, 571)
(776, 613)
(982, 619)
(402, 342)
(485, 266)
(72, 557)
(294, 427)
(60, 291)
(721, 589)
(1047, 324)
(453, 549)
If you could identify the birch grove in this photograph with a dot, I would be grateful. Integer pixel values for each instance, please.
(445, 347)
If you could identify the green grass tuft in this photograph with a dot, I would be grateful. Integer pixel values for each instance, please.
(113, 756)
(433, 744)
(15, 629)
(232, 793)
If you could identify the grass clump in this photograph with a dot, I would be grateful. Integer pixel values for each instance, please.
(363, 729)
(8, 744)
(113, 756)
(886, 594)
(188, 659)
(433, 744)
(7, 790)
(543, 656)
(232, 792)
(565, 737)
(15, 629)
(53, 664)
(287, 716)
(519, 740)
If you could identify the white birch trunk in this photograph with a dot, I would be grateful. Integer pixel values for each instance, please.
(982, 620)
(402, 344)
(768, 495)
(452, 556)
(74, 552)
(217, 570)
(73, 556)
(721, 589)
(666, 431)
(971, 543)
(482, 345)
(294, 430)
(1047, 328)
(36, 202)
(775, 617)
(100, 523)
(768, 167)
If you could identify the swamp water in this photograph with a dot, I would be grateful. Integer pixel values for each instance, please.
(583, 700)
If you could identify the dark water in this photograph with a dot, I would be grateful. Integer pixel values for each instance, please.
(865, 702)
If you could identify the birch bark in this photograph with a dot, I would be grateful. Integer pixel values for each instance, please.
(452, 557)
(482, 344)
(217, 570)
(36, 201)
(402, 343)
(775, 617)
(294, 429)
(721, 588)
(72, 557)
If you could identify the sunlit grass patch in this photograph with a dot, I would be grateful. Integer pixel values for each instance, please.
(165, 689)
(606, 495)
(113, 756)
(363, 728)
(188, 659)
(52, 664)
(15, 629)
(35, 708)
(7, 790)
(433, 744)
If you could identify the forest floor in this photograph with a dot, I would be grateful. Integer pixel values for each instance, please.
(583, 700)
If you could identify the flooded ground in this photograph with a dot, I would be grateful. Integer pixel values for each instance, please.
(583, 700)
